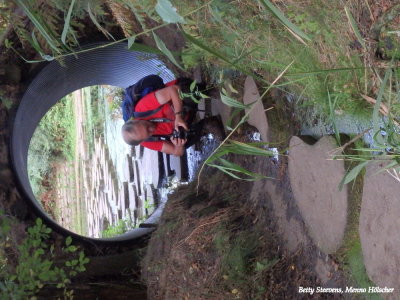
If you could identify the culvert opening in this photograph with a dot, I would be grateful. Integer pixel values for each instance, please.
(90, 74)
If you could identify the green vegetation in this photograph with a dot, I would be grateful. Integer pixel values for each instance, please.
(241, 261)
(251, 37)
(32, 263)
(128, 223)
(53, 140)
(121, 227)
(357, 270)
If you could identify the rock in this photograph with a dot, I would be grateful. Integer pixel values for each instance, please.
(257, 117)
(128, 168)
(314, 179)
(380, 227)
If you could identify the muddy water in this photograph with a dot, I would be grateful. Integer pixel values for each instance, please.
(315, 126)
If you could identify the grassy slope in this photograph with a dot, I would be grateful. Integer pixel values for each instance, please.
(333, 62)
(246, 33)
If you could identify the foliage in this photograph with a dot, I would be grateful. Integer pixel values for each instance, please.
(39, 159)
(243, 260)
(385, 146)
(35, 263)
(167, 12)
(122, 226)
(247, 38)
(59, 125)
(54, 139)
(142, 9)
(114, 96)
(48, 38)
(193, 93)
(227, 146)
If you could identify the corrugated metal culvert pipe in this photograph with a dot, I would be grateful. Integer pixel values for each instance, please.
(112, 65)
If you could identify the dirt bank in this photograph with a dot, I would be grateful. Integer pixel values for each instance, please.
(225, 241)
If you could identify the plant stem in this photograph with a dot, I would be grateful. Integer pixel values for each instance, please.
(237, 126)
(119, 41)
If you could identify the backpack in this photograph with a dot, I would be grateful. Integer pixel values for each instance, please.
(137, 91)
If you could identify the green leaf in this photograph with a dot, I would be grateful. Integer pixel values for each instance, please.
(354, 26)
(232, 88)
(39, 222)
(203, 95)
(192, 85)
(35, 44)
(7, 43)
(72, 248)
(68, 241)
(353, 173)
(231, 102)
(131, 41)
(38, 252)
(245, 149)
(44, 276)
(94, 20)
(206, 48)
(168, 13)
(229, 167)
(224, 170)
(194, 99)
(265, 264)
(39, 24)
(259, 267)
(160, 44)
(332, 116)
(67, 22)
(285, 21)
(74, 262)
(143, 48)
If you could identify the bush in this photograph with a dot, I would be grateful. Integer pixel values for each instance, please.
(33, 264)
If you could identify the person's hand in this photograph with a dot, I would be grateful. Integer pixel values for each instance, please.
(178, 142)
(179, 122)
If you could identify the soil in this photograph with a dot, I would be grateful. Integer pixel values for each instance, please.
(189, 256)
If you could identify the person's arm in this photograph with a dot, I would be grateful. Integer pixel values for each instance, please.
(175, 147)
(170, 93)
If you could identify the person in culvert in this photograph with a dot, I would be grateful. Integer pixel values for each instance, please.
(155, 131)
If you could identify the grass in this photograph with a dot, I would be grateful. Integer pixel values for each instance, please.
(354, 259)
(255, 40)
(244, 260)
